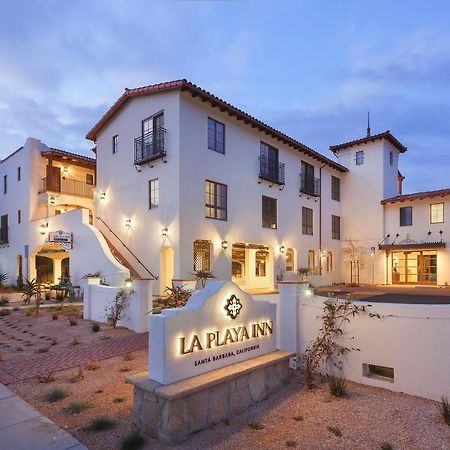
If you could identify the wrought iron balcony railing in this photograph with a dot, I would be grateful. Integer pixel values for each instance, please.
(271, 170)
(309, 185)
(149, 146)
(67, 186)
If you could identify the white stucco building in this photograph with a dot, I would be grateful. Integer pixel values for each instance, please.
(185, 181)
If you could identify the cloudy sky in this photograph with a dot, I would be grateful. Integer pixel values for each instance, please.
(310, 68)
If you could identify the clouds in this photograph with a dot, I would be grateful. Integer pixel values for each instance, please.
(312, 73)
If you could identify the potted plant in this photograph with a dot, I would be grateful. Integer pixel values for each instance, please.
(93, 278)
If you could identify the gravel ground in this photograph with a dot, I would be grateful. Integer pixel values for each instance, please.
(366, 418)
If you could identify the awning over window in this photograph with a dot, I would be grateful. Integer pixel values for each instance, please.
(413, 246)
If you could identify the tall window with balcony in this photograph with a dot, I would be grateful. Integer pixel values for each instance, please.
(269, 212)
(216, 136)
(153, 193)
(335, 188)
(437, 213)
(307, 220)
(308, 183)
(215, 200)
(335, 227)
(150, 145)
(4, 229)
(270, 168)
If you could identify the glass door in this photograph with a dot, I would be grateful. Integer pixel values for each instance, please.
(415, 267)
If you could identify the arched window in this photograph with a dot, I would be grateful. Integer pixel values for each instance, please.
(289, 260)
(202, 255)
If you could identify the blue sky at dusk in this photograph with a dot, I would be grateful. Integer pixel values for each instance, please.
(309, 68)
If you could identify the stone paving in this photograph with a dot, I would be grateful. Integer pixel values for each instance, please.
(18, 370)
(24, 428)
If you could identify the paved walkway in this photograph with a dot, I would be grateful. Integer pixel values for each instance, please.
(24, 428)
(18, 370)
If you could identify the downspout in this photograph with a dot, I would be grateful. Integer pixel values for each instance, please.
(320, 219)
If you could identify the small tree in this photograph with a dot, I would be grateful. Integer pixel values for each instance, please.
(116, 311)
(354, 254)
(328, 347)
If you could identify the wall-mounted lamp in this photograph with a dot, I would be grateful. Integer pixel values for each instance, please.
(128, 283)
(52, 200)
(165, 232)
(224, 245)
(65, 169)
(282, 249)
(128, 223)
(308, 292)
(43, 228)
(103, 196)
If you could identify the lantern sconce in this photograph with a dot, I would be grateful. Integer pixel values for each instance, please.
(128, 223)
(282, 249)
(224, 245)
(128, 283)
(43, 228)
(103, 196)
(165, 232)
(65, 169)
(52, 200)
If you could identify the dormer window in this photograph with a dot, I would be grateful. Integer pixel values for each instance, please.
(359, 158)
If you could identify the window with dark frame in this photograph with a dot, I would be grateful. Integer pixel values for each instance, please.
(335, 227)
(5, 184)
(406, 216)
(18, 173)
(215, 200)
(269, 161)
(335, 188)
(307, 178)
(330, 262)
(153, 193)
(391, 158)
(216, 136)
(269, 212)
(19, 216)
(90, 179)
(359, 158)
(4, 229)
(115, 143)
(307, 220)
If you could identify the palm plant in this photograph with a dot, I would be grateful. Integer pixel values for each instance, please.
(30, 289)
(203, 276)
(3, 279)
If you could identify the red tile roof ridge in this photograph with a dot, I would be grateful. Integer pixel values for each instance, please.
(417, 196)
(66, 153)
(384, 135)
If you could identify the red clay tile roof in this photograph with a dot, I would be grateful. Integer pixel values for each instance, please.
(416, 196)
(57, 153)
(385, 135)
(204, 95)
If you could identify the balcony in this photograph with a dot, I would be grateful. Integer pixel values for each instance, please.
(67, 186)
(271, 170)
(310, 185)
(149, 146)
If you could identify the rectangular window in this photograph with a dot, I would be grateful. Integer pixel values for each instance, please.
(115, 143)
(406, 216)
(330, 262)
(90, 179)
(19, 216)
(4, 229)
(311, 261)
(216, 136)
(269, 166)
(215, 200)
(153, 192)
(202, 255)
(359, 158)
(307, 220)
(269, 212)
(391, 158)
(18, 173)
(437, 213)
(378, 372)
(5, 184)
(335, 227)
(307, 181)
(335, 189)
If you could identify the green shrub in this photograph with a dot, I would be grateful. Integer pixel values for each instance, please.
(55, 395)
(29, 311)
(95, 327)
(132, 441)
(337, 385)
(77, 407)
(386, 446)
(118, 400)
(4, 312)
(256, 426)
(298, 418)
(72, 321)
(336, 431)
(101, 423)
(59, 297)
(4, 300)
(444, 409)
(47, 295)
(291, 443)
(54, 316)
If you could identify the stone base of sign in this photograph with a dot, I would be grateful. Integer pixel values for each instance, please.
(172, 412)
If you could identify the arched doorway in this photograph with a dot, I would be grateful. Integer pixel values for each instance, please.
(44, 269)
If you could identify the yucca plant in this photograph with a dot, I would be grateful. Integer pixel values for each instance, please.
(3, 279)
(337, 385)
(30, 289)
(444, 409)
(203, 276)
